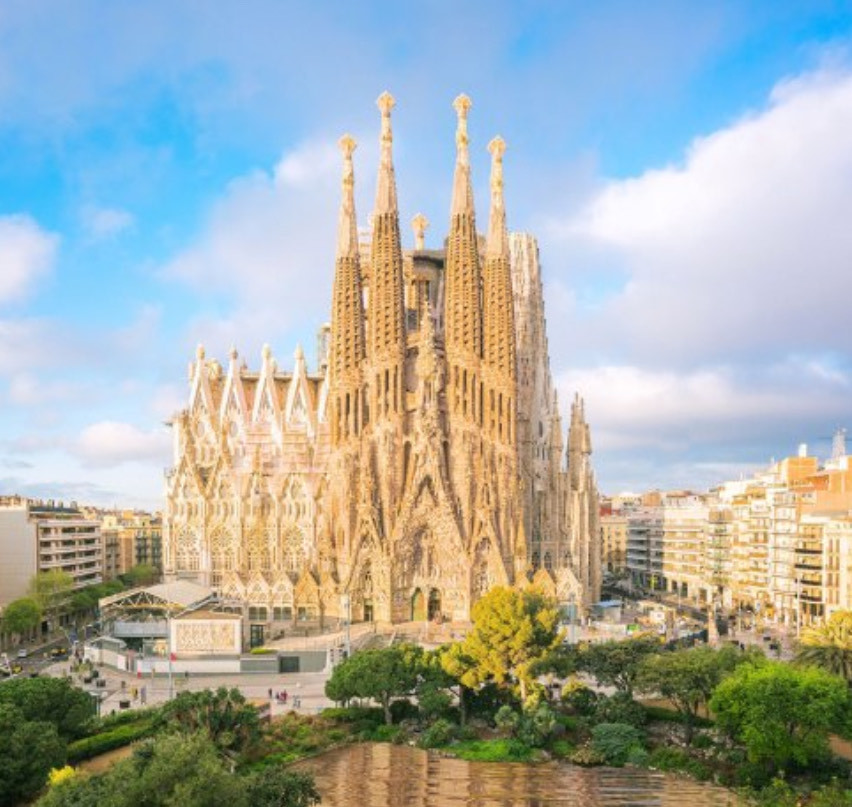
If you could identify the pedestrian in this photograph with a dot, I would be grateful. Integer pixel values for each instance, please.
(284, 697)
(270, 693)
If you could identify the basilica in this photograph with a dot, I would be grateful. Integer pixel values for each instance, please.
(420, 463)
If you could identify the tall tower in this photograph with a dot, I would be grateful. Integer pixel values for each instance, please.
(463, 314)
(347, 321)
(386, 319)
(499, 348)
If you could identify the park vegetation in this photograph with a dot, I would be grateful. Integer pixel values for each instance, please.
(510, 691)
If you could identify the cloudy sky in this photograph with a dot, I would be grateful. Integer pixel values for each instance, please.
(169, 176)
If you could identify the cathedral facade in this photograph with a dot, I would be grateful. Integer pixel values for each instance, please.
(421, 463)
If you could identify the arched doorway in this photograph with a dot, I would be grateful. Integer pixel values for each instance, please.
(434, 604)
(418, 606)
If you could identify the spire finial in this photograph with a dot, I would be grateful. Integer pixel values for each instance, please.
(462, 191)
(462, 105)
(419, 223)
(498, 240)
(347, 233)
(386, 190)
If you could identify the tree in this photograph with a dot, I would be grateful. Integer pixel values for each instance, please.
(21, 616)
(782, 714)
(142, 574)
(688, 678)
(829, 646)
(379, 674)
(51, 591)
(186, 770)
(512, 631)
(28, 750)
(617, 664)
(51, 700)
(224, 716)
(172, 769)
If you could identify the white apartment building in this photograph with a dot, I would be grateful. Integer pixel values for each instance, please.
(41, 536)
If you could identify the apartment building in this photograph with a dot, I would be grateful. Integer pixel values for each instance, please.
(777, 545)
(38, 536)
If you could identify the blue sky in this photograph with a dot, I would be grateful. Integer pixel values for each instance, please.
(169, 176)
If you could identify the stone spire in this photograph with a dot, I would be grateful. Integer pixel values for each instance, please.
(498, 239)
(499, 349)
(462, 190)
(347, 228)
(347, 320)
(386, 314)
(386, 187)
(463, 299)
(579, 444)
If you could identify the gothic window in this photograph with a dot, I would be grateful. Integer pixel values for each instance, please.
(536, 560)
(548, 562)
(292, 549)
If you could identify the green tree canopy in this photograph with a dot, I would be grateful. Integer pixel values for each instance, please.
(181, 770)
(829, 646)
(688, 677)
(380, 674)
(28, 750)
(617, 664)
(21, 616)
(142, 574)
(512, 630)
(51, 700)
(224, 716)
(782, 714)
(51, 590)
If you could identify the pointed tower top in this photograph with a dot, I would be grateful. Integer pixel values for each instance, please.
(266, 352)
(419, 223)
(386, 190)
(298, 353)
(462, 191)
(347, 230)
(498, 239)
(232, 353)
(199, 352)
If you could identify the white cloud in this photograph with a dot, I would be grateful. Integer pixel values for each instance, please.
(267, 252)
(105, 222)
(745, 247)
(27, 254)
(109, 443)
(632, 407)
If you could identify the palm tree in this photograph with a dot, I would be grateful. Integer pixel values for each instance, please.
(829, 646)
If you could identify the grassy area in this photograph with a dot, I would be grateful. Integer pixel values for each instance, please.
(111, 738)
(497, 750)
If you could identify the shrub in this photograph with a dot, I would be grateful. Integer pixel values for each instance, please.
(585, 755)
(620, 708)
(507, 719)
(562, 749)
(118, 737)
(615, 741)
(536, 726)
(674, 759)
(384, 734)
(579, 699)
(638, 756)
(440, 733)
